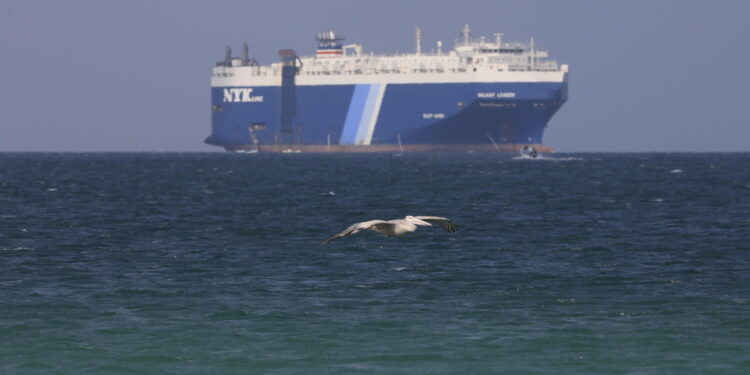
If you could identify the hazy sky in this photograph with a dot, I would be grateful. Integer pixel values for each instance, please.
(134, 75)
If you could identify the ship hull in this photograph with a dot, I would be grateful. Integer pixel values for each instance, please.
(370, 117)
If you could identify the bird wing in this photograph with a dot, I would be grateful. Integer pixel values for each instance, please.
(354, 228)
(444, 223)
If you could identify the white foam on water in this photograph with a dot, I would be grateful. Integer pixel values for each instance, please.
(546, 158)
(21, 248)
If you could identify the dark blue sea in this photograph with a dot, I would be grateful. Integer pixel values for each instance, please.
(168, 263)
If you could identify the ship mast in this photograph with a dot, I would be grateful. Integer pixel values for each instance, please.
(499, 40)
(419, 40)
(245, 54)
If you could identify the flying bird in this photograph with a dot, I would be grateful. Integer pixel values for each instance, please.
(396, 227)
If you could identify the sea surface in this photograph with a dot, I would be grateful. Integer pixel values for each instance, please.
(211, 263)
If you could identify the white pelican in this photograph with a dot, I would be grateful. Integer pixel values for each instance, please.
(396, 227)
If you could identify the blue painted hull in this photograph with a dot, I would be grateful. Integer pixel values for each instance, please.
(441, 114)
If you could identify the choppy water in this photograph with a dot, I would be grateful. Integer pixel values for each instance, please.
(210, 263)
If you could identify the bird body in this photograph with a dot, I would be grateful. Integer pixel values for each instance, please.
(396, 227)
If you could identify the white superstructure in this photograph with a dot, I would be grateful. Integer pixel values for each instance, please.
(471, 60)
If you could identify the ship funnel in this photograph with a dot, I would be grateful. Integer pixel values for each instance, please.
(329, 44)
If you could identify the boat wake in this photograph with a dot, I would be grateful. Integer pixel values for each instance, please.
(546, 158)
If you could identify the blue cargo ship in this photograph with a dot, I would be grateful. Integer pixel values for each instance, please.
(485, 94)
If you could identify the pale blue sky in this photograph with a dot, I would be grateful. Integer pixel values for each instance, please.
(134, 75)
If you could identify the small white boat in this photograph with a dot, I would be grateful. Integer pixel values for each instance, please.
(528, 152)
(252, 151)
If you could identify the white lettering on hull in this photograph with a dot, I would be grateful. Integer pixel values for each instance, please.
(490, 95)
(241, 96)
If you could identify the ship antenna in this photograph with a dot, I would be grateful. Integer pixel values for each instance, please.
(228, 57)
(245, 54)
(419, 40)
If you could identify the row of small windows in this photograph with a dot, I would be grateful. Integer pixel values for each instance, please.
(390, 71)
(502, 50)
(385, 71)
